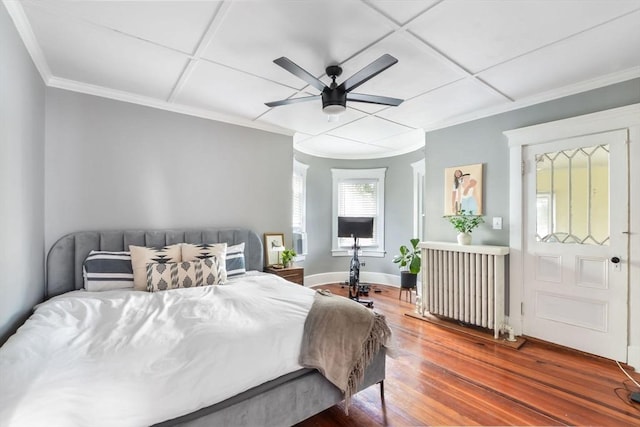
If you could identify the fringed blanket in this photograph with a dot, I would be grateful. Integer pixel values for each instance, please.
(340, 339)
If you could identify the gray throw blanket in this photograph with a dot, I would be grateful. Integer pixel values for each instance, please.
(340, 339)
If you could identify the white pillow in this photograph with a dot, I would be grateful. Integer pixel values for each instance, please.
(192, 252)
(141, 256)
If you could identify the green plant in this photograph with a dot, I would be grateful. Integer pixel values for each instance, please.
(409, 257)
(287, 256)
(465, 222)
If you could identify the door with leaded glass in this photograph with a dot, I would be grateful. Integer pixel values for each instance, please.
(575, 246)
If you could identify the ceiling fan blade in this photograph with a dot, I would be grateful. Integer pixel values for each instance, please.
(371, 70)
(374, 99)
(299, 72)
(291, 101)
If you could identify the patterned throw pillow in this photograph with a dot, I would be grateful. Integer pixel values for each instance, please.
(202, 272)
(234, 255)
(141, 256)
(235, 260)
(191, 252)
(104, 271)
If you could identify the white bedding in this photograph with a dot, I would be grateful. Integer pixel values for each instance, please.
(128, 358)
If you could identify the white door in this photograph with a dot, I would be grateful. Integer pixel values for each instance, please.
(575, 245)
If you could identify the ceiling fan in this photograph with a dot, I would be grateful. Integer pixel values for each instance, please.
(335, 96)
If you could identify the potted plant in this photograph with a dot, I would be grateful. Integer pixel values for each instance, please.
(287, 257)
(465, 222)
(409, 260)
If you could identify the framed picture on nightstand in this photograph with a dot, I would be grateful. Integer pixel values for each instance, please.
(273, 246)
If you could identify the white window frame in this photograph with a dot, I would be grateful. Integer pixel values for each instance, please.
(418, 198)
(340, 175)
(300, 168)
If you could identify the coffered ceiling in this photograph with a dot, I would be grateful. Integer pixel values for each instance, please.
(458, 60)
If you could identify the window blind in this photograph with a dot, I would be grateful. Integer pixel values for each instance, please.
(359, 197)
(298, 203)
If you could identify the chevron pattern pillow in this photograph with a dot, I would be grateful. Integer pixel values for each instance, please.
(233, 255)
(141, 256)
(192, 252)
(202, 272)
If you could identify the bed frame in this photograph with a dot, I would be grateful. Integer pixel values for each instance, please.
(282, 402)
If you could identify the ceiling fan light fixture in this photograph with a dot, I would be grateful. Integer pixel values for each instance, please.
(334, 101)
(334, 109)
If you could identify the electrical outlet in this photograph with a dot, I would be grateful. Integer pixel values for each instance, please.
(497, 223)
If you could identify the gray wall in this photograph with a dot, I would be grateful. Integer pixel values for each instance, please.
(22, 95)
(398, 211)
(482, 141)
(112, 164)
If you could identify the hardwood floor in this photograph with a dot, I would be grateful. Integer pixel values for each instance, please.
(443, 377)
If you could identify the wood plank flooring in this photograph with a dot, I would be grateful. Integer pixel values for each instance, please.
(442, 377)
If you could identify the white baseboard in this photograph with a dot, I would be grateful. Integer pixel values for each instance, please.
(633, 356)
(342, 276)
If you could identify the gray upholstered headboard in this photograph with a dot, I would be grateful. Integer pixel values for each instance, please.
(64, 262)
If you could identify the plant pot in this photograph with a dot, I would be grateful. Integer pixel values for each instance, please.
(408, 280)
(464, 238)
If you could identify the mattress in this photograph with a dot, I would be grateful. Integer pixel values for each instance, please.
(125, 358)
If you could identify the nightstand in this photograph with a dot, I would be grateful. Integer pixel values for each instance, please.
(292, 274)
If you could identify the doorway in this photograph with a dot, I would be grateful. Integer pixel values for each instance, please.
(575, 209)
(555, 291)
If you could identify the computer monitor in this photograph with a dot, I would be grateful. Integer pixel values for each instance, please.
(355, 226)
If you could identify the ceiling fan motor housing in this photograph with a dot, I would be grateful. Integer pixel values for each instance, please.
(334, 101)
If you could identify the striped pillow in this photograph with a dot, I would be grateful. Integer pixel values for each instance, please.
(235, 260)
(104, 271)
(201, 272)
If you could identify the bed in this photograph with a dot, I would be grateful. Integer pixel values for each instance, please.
(258, 393)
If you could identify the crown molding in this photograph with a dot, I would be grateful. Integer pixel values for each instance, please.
(117, 95)
(21, 22)
(573, 89)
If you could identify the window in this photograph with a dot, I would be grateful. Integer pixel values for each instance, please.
(572, 189)
(299, 217)
(359, 192)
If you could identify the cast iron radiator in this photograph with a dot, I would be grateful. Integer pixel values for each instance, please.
(464, 283)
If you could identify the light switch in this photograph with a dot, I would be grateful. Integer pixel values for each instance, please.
(497, 223)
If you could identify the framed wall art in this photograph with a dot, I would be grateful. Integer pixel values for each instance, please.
(273, 246)
(463, 190)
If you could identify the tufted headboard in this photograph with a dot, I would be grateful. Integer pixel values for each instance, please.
(64, 262)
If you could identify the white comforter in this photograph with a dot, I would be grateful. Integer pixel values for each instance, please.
(127, 358)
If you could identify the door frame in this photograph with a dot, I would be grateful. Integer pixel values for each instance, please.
(627, 117)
